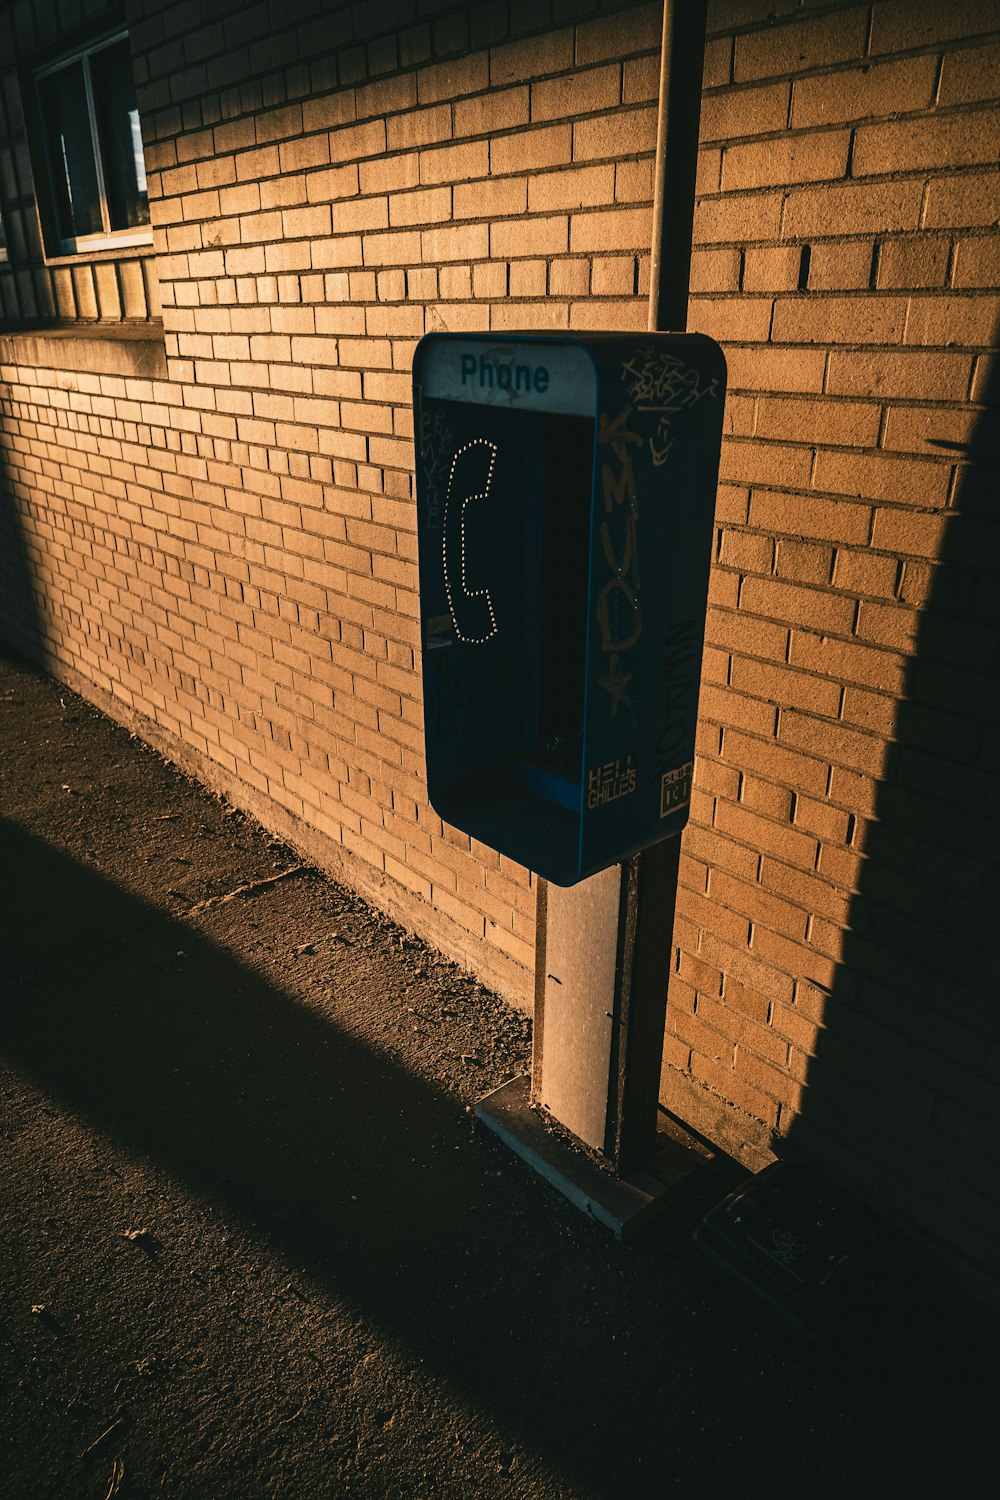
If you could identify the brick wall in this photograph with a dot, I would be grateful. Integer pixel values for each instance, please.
(837, 939)
(223, 553)
(227, 554)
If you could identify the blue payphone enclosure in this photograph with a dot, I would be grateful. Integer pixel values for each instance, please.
(565, 509)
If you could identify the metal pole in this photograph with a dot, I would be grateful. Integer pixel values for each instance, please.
(649, 880)
(682, 56)
(604, 946)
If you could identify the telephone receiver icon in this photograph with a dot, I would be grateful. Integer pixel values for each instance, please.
(470, 479)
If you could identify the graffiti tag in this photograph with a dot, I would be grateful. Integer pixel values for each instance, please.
(619, 613)
(436, 448)
(663, 384)
(468, 690)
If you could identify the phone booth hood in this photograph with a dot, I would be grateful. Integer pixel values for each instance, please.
(565, 512)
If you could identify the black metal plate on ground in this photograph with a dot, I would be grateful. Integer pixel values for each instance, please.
(813, 1252)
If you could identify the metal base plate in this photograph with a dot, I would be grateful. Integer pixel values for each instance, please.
(623, 1204)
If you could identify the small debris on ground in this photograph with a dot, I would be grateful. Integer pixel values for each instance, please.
(117, 1477)
(116, 1426)
(145, 1239)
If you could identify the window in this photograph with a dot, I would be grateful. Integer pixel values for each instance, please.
(3, 241)
(93, 149)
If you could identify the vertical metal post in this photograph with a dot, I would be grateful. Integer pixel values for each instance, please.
(650, 879)
(681, 64)
(604, 946)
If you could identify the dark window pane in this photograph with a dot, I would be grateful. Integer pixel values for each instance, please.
(66, 122)
(118, 131)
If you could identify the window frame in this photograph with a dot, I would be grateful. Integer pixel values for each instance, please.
(108, 238)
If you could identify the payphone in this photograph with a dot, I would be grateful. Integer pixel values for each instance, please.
(565, 506)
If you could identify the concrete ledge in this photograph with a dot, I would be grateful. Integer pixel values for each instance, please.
(96, 348)
(622, 1204)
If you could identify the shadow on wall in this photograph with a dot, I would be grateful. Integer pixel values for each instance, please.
(22, 615)
(902, 1093)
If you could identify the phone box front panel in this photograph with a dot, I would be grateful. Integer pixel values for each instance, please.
(560, 581)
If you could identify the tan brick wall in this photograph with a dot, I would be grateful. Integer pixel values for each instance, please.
(835, 970)
(225, 556)
(245, 577)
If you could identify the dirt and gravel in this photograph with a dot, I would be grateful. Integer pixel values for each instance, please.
(253, 1245)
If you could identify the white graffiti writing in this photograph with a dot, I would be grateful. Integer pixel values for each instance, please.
(660, 382)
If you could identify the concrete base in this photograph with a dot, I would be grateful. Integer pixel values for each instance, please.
(623, 1204)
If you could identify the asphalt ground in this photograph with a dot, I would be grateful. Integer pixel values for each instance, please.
(252, 1243)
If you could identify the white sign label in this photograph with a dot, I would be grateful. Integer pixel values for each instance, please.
(527, 374)
(675, 789)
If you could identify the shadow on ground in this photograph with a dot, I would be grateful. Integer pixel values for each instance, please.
(269, 1254)
(524, 1351)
